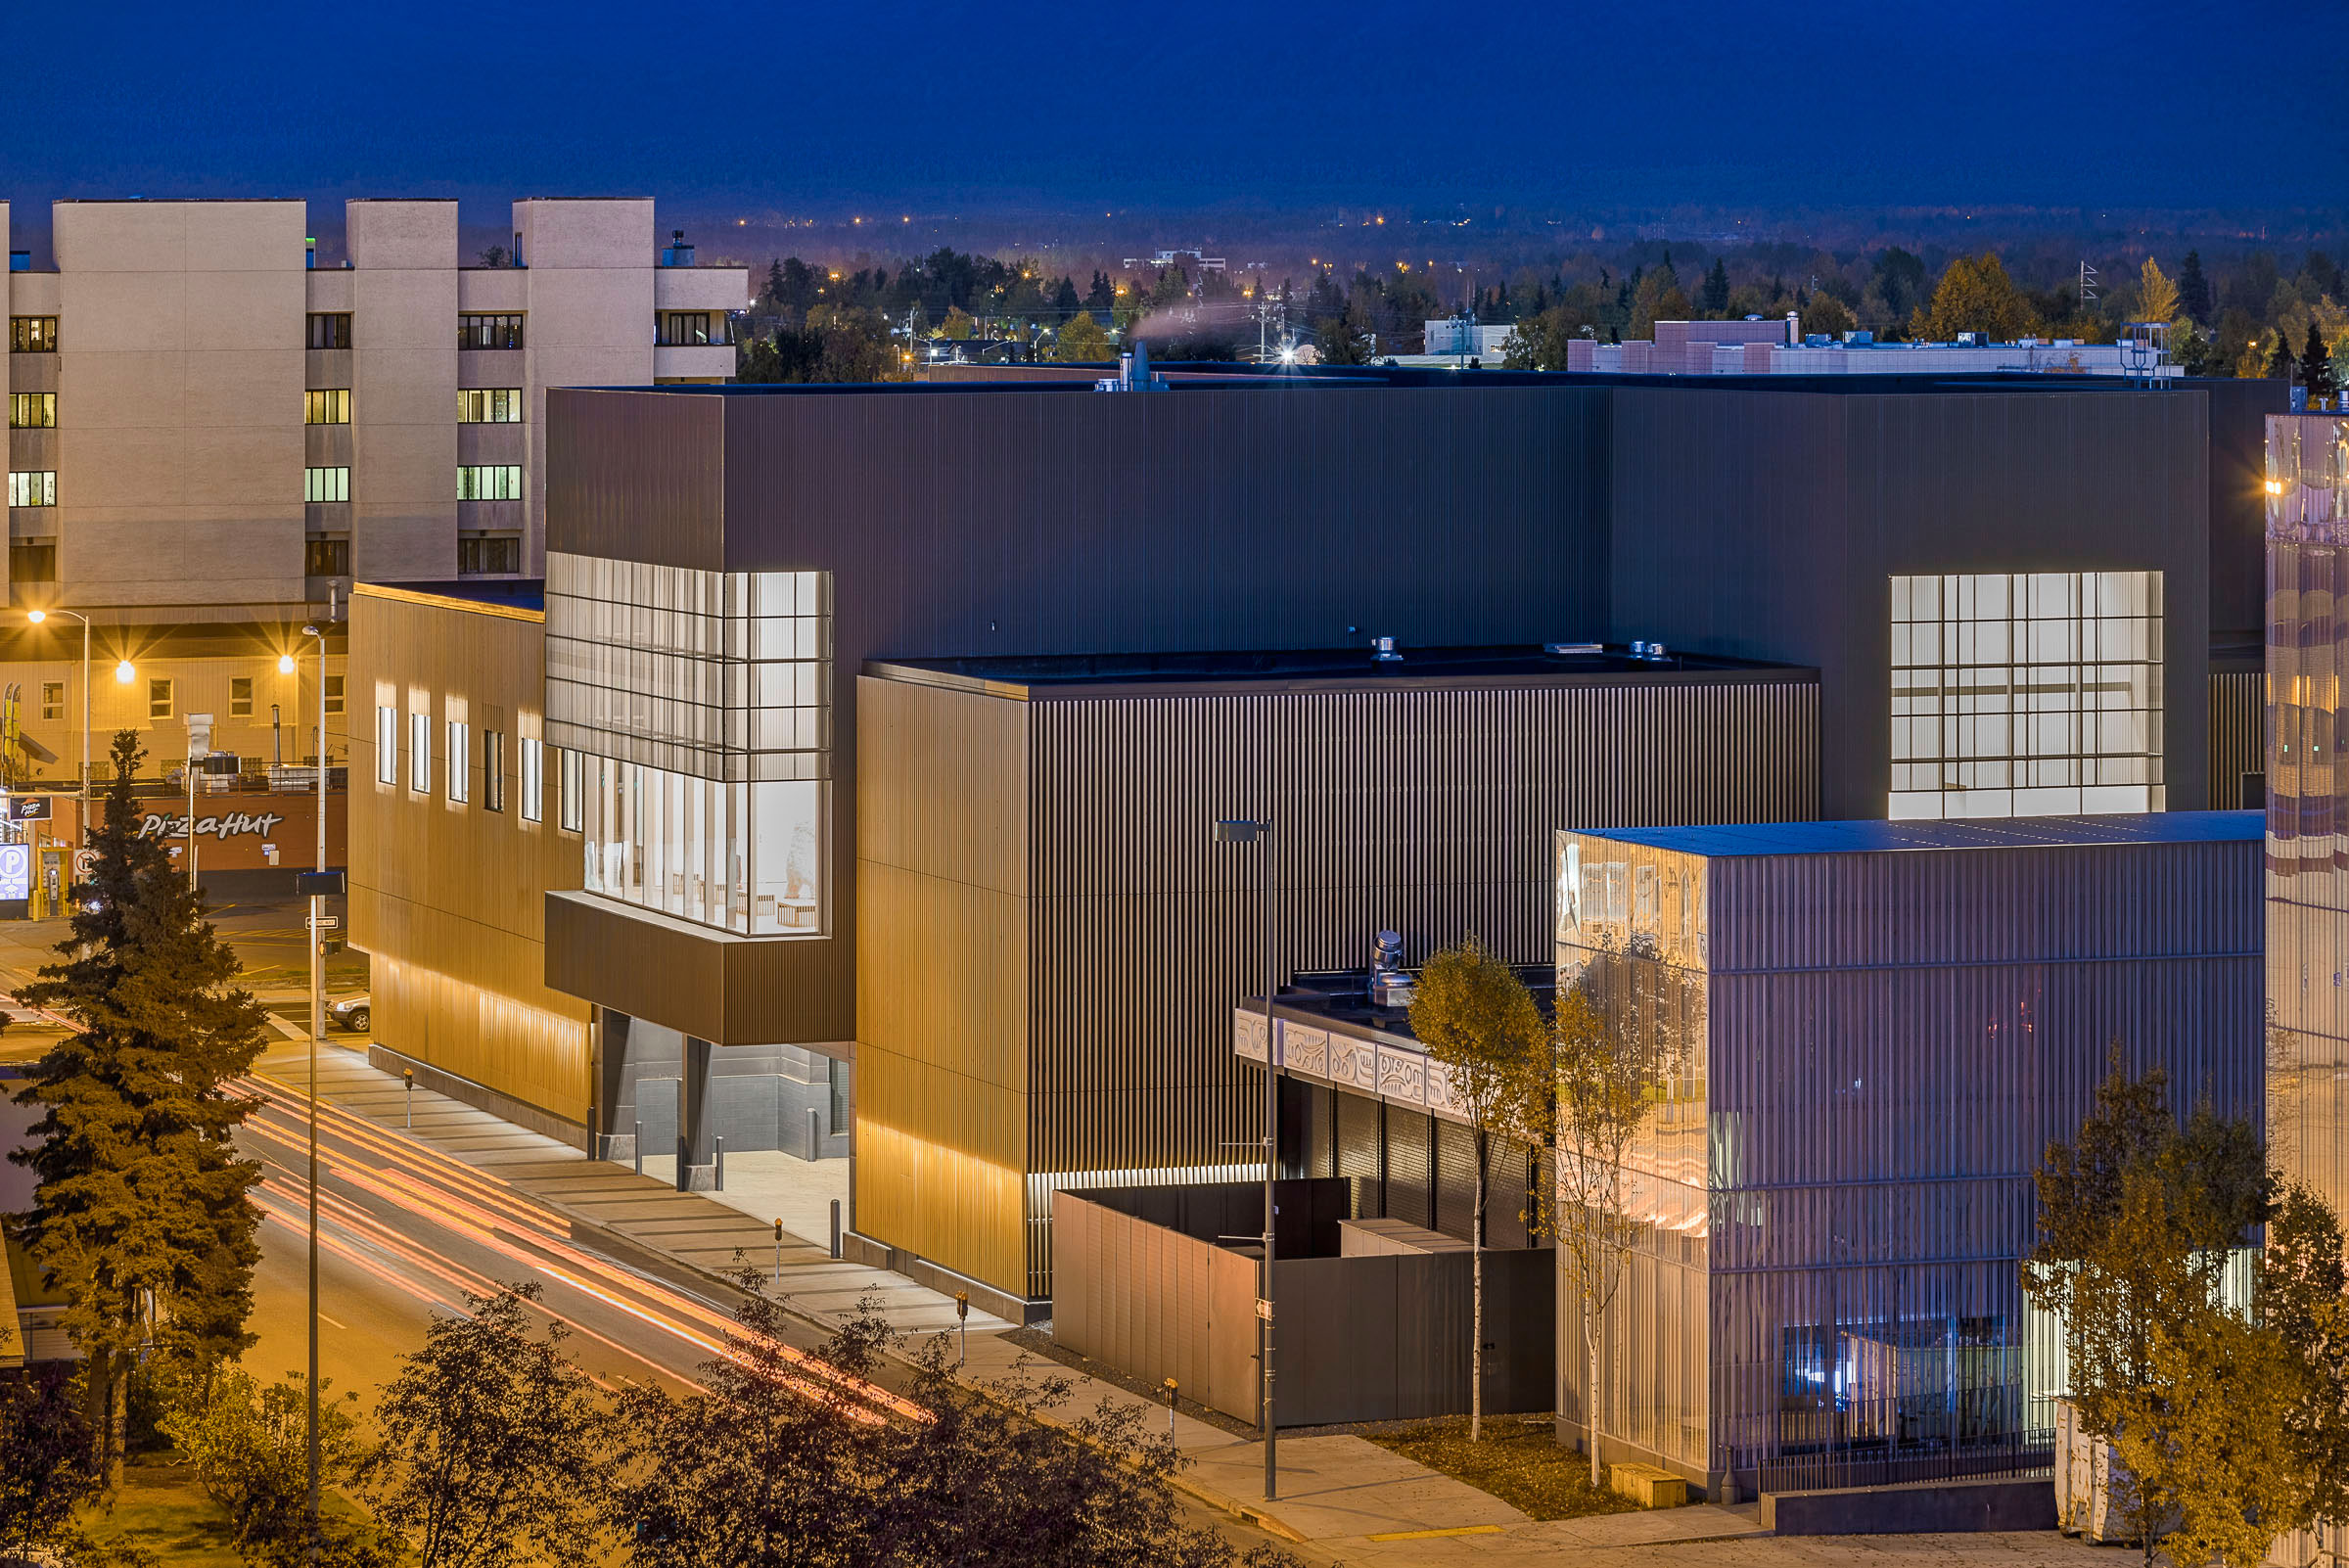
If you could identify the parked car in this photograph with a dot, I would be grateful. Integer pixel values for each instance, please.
(351, 1013)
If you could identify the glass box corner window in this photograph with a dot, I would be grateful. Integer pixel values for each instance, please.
(326, 483)
(2027, 694)
(387, 745)
(420, 753)
(331, 407)
(32, 410)
(489, 481)
(32, 488)
(483, 331)
(701, 701)
(489, 405)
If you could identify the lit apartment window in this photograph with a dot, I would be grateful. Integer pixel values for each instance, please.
(32, 488)
(420, 753)
(240, 697)
(158, 699)
(326, 407)
(489, 405)
(574, 792)
(2026, 694)
(488, 556)
(494, 770)
(532, 759)
(326, 555)
(489, 331)
(330, 330)
(387, 745)
(460, 758)
(334, 694)
(490, 482)
(32, 410)
(32, 334)
(32, 561)
(326, 483)
(53, 699)
(687, 329)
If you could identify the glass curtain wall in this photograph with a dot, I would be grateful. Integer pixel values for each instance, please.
(2026, 694)
(700, 706)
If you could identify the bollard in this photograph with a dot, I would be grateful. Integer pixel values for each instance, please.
(684, 1182)
(963, 1311)
(815, 1135)
(408, 1076)
(718, 1182)
(640, 1148)
(778, 1255)
(1171, 1387)
(834, 1230)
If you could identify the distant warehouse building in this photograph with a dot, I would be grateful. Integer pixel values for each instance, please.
(789, 636)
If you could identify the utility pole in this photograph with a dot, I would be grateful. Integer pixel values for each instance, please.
(1244, 830)
(318, 884)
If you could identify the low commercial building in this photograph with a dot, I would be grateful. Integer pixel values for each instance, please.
(1862, 1036)
(1767, 345)
(1062, 607)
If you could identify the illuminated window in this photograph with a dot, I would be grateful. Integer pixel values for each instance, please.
(2026, 694)
(32, 488)
(489, 405)
(158, 699)
(330, 329)
(326, 483)
(331, 407)
(240, 697)
(32, 410)
(387, 745)
(420, 753)
(489, 481)
(460, 761)
(32, 334)
(53, 699)
(574, 803)
(532, 757)
(489, 331)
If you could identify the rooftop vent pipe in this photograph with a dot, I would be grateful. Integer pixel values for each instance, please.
(1133, 372)
(1390, 985)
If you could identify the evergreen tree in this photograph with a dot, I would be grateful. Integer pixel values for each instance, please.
(1717, 288)
(2316, 365)
(140, 1217)
(1103, 295)
(2279, 360)
(1064, 295)
(2194, 289)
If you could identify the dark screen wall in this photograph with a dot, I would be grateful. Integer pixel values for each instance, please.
(1769, 528)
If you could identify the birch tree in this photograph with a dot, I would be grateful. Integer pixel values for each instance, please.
(1481, 1026)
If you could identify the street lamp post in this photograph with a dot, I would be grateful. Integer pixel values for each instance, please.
(1245, 830)
(317, 890)
(36, 616)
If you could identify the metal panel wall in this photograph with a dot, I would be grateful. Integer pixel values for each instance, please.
(1430, 811)
(2238, 733)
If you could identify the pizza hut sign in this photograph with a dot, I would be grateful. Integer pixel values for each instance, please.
(226, 825)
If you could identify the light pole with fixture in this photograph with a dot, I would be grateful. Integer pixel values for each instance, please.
(1246, 830)
(317, 885)
(36, 616)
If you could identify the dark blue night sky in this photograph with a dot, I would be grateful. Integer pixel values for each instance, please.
(954, 107)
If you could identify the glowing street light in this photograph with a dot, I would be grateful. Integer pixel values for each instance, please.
(124, 673)
(285, 664)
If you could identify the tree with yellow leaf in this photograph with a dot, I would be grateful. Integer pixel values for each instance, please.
(2156, 295)
(1974, 295)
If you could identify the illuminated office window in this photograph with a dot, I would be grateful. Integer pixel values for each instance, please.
(387, 745)
(489, 405)
(326, 483)
(489, 481)
(460, 759)
(532, 759)
(32, 410)
(331, 407)
(2026, 694)
(420, 753)
(32, 488)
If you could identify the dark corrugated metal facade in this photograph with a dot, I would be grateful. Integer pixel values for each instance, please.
(2239, 734)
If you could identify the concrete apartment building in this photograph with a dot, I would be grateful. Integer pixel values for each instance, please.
(210, 433)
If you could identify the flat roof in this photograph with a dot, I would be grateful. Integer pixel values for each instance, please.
(512, 594)
(1096, 674)
(1871, 837)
